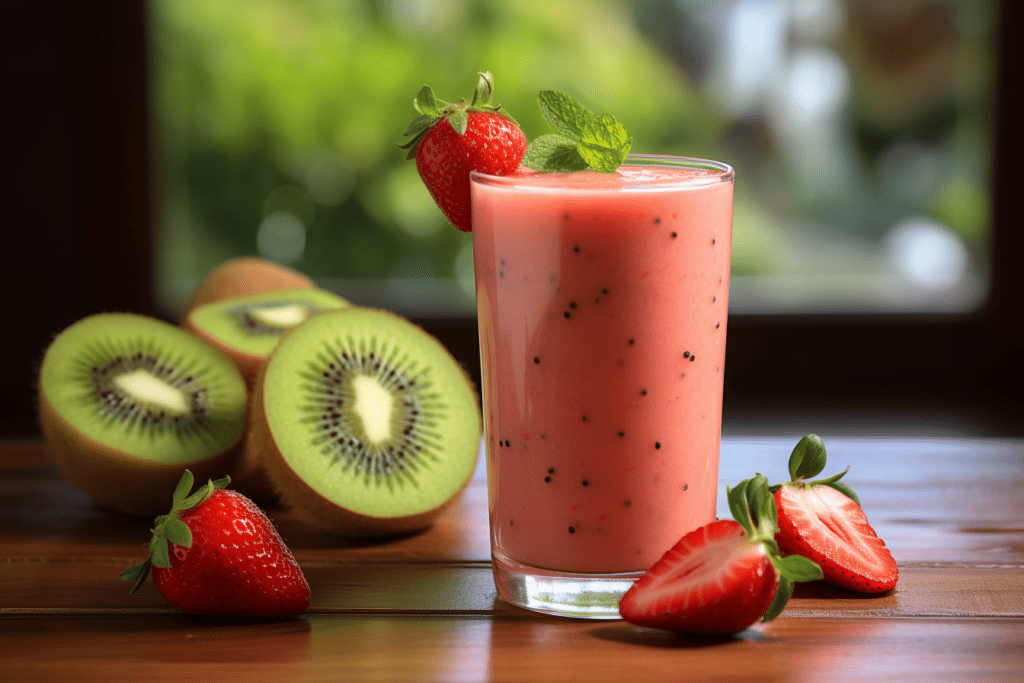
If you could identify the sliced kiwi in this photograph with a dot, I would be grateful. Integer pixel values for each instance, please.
(248, 328)
(367, 424)
(243, 276)
(128, 402)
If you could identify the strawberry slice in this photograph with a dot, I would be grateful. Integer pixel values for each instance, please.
(451, 140)
(823, 521)
(723, 577)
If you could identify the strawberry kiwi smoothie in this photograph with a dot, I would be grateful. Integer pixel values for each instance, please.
(602, 303)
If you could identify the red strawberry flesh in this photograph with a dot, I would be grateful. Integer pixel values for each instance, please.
(715, 580)
(828, 527)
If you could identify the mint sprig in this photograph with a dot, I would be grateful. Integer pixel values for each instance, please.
(581, 139)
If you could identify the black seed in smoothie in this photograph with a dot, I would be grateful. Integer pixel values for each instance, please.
(572, 304)
(714, 299)
(622, 433)
(686, 487)
(682, 375)
(551, 470)
(572, 530)
(712, 240)
(717, 325)
(604, 291)
(547, 479)
(576, 249)
(511, 522)
(643, 392)
(674, 234)
(567, 314)
(627, 503)
(686, 354)
(508, 443)
(502, 262)
(584, 418)
(657, 444)
(501, 273)
(657, 221)
(536, 359)
(586, 482)
(692, 357)
(632, 341)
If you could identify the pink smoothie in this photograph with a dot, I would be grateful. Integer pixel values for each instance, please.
(602, 303)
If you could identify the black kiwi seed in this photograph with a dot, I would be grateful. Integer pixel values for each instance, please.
(415, 414)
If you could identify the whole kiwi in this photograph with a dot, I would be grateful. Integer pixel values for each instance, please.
(128, 402)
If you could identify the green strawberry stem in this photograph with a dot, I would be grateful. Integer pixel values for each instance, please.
(808, 460)
(432, 111)
(753, 507)
(170, 528)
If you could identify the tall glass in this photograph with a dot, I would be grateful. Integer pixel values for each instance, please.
(602, 302)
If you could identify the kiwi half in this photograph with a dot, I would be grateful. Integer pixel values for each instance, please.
(367, 424)
(248, 328)
(128, 402)
(243, 276)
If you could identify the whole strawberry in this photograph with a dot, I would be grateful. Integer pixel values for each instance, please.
(823, 521)
(450, 140)
(723, 577)
(216, 553)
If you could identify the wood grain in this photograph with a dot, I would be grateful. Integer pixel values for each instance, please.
(424, 607)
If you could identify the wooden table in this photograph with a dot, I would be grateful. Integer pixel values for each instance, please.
(424, 608)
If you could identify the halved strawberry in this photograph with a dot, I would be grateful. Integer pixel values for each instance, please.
(450, 140)
(822, 520)
(723, 577)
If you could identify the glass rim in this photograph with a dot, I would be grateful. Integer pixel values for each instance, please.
(720, 172)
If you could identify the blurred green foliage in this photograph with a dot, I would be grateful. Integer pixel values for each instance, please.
(252, 96)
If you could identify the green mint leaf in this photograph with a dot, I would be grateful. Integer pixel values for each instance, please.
(782, 595)
(568, 117)
(604, 144)
(178, 533)
(459, 119)
(552, 153)
(808, 458)
(160, 552)
(181, 491)
(799, 568)
(425, 103)
(484, 89)
(844, 489)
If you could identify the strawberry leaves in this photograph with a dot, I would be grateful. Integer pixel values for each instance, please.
(753, 506)
(808, 460)
(433, 110)
(581, 139)
(170, 528)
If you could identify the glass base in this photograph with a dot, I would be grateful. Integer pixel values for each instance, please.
(566, 594)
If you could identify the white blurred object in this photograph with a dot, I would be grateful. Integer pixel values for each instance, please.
(927, 253)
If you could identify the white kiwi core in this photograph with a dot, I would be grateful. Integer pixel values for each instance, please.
(288, 315)
(373, 406)
(145, 386)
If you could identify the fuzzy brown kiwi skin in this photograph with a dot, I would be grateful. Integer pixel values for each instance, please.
(116, 480)
(243, 276)
(320, 512)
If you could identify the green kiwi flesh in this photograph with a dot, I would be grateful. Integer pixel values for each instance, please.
(127, 402)
(254, 324)
(369, 425)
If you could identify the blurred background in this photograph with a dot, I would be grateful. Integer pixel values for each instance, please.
(861, 133)
(873, 256)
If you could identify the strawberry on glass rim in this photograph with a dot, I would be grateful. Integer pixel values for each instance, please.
(823, 520)
(450, 140)
(723, 577)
